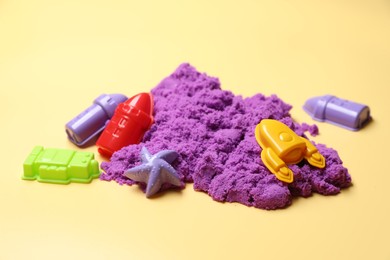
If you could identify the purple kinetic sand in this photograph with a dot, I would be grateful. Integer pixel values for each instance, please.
(213, 131)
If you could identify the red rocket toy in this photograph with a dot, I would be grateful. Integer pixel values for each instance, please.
(128, 125)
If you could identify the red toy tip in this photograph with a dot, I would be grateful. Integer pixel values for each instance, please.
(142, 101)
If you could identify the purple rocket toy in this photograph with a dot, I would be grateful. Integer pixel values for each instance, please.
(344, 113)
(87, 126)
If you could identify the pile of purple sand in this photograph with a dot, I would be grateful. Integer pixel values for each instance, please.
(213, 131)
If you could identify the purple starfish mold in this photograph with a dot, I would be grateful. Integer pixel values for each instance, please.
(155, 171)
(213, 132)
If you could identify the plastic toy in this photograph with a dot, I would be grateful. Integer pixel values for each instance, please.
(282, 146)
(155, 171)
(344, 113)
(87, 126)
(131, 120)
(60, 166)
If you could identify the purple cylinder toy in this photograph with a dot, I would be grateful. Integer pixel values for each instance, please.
(88, 125)
(344, 113)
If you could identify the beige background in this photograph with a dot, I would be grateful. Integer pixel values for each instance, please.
(57, 56)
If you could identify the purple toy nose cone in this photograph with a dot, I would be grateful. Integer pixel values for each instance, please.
(118, 98)
(316, 107)
(110, 102)
(310, 105)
